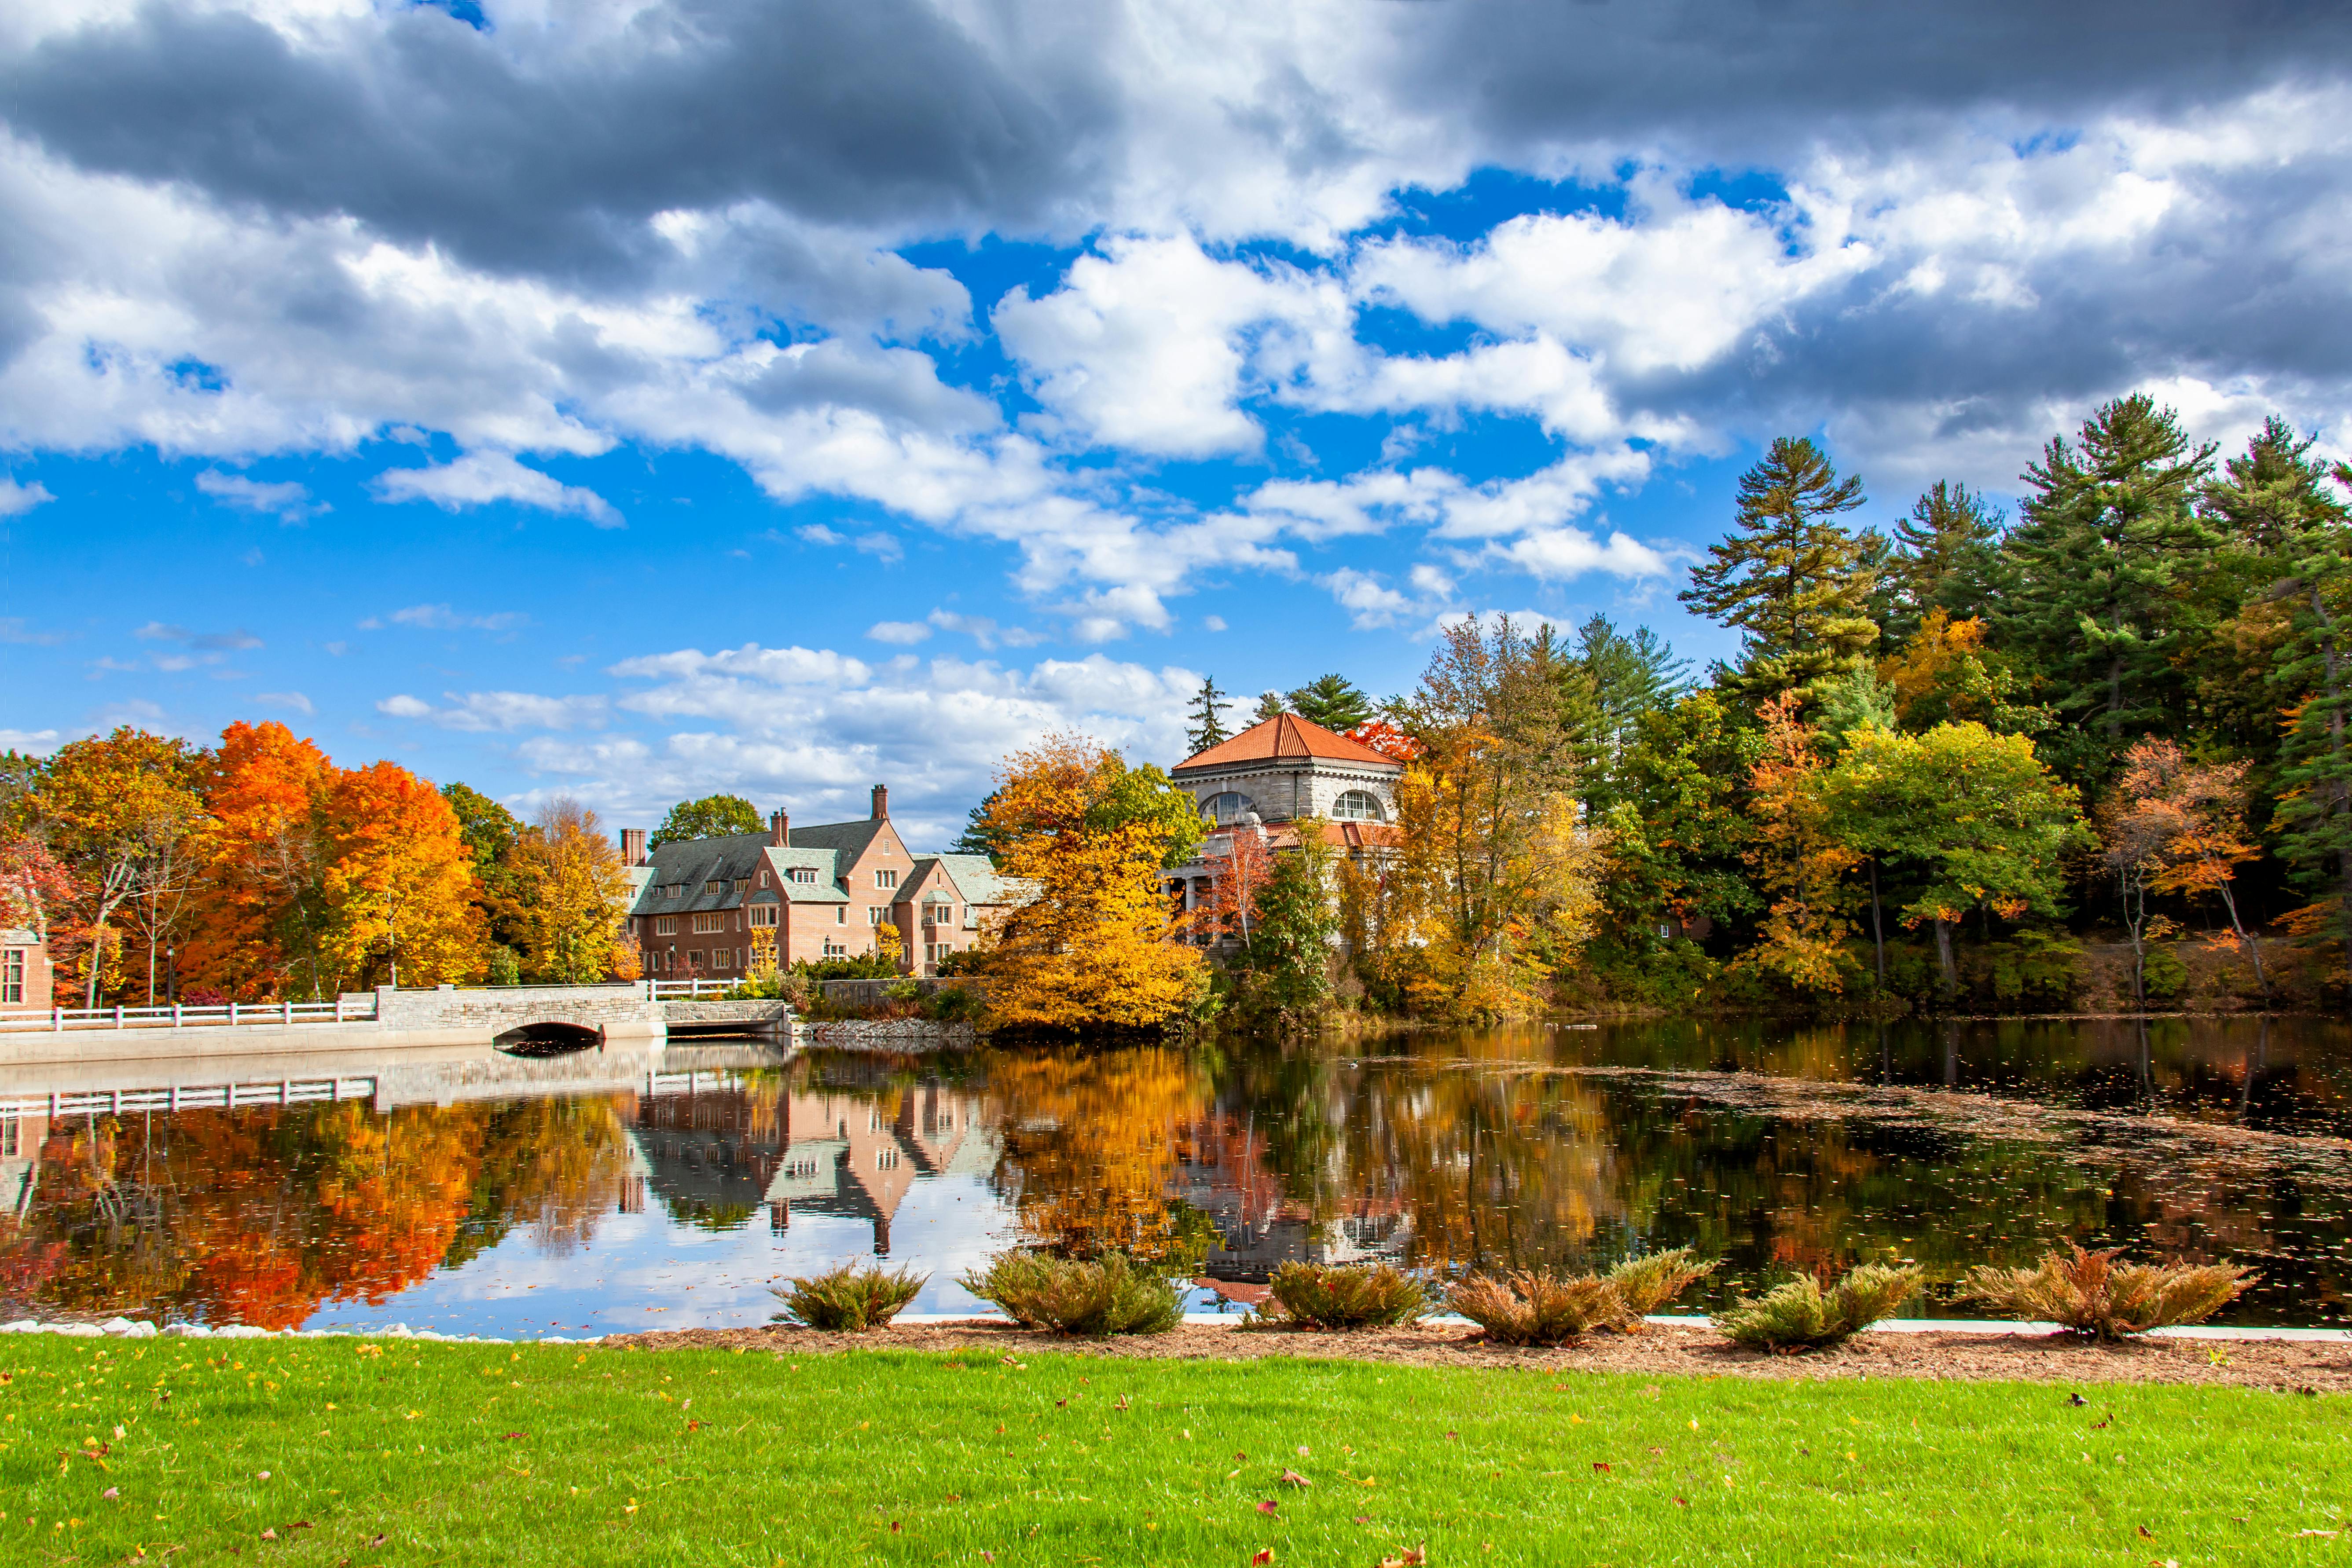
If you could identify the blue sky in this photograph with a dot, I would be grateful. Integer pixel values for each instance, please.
(821, 400)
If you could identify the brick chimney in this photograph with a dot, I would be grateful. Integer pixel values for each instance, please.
(881, 802)
(632, 846)
(780, 830)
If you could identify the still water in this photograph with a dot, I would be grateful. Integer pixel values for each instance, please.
(525, 1207)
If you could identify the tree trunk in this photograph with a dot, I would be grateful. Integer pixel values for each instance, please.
(1877, 930)
(2261, 975)
(2132, 921)
(1944, 958)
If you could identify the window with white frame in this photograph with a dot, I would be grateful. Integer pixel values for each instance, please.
(743, 884)
(716, 886)
(806, 874)
(834, 949)
(763, 879)
(886, 879)
(763, 915)
(1223, 810)
(704, 924)
(874, 914)
(694, 959)
(665, 924)
(841, 914)
(11, 978)
(1356, 806)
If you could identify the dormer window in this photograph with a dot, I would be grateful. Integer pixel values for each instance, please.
(715, 887)
(806, 874)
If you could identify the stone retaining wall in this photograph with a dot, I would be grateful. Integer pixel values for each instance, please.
(885, 1034)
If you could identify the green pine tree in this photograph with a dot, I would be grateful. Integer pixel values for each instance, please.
(2096, 574)
(1789, 575)
(1332, 701)
(1208, 715)
(2276, 504)
(1943, 557)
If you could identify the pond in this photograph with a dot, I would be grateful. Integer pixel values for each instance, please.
(529, 1207)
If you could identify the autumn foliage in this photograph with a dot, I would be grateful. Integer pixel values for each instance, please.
(1084, 943)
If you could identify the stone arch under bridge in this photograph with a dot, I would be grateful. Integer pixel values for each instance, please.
(527, 1021)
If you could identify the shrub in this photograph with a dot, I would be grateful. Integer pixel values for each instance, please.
(2090, 1293)
(1096, 1297)
(1800, 1315)
(1649, 1283)
(1327, 1296)
(851, 1299)
(955, 1004)
(1532, 1308)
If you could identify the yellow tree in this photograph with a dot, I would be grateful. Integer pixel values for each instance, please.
(399, 891)
(575, 896)
(1087, 942)
(1797, 855)
(120, 815)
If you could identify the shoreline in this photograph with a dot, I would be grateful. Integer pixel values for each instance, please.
(1922, 1351)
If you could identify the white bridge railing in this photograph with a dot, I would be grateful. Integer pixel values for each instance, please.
(662, 990)
(236, 1015)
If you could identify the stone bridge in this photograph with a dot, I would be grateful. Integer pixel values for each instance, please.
(528, 1021)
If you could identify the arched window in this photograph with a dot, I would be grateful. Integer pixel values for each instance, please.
(1223, 810)
(1356, 806)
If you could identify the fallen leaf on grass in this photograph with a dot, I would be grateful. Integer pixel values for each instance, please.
(110, 1493)
(1266, 1506)
(1601, 1466)
(1265, 1554)
(1412, 1557)
(269, 1535)
(516, 1437)
(2146, 1533)
(1682, 1503)
(2329, 1533)
(1293, 1479)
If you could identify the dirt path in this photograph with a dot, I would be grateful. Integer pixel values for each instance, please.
(2301, 1367)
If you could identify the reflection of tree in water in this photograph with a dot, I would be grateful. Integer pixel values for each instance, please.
(1089, 1148)
(261, 1214)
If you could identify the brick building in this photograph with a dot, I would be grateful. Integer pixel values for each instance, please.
(25, 973)
(813, 892)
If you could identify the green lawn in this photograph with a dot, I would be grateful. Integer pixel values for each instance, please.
(378, 1452)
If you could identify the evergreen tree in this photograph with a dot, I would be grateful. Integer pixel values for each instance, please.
(1789, 575)
(1943, 557)
(1208, 715)
(1270, 705)
(2276, 504)
(2096, 577)
(978, 838)
(1610, 681)
(1332, 701)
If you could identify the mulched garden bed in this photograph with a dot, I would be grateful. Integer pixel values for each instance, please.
(2296, 1366)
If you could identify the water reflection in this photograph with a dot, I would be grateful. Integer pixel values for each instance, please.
(536, 1206)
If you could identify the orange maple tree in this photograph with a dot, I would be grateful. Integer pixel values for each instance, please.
(399, 889)
(256, 933)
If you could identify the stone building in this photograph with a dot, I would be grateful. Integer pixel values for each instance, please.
(813, 892)
(1266, 782)
(1285, 767)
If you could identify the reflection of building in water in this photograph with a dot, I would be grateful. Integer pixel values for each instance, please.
(1221, 1171)
(718, 1152)
(20, 1160)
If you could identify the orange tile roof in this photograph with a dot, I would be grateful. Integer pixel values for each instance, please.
(1284, 735)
